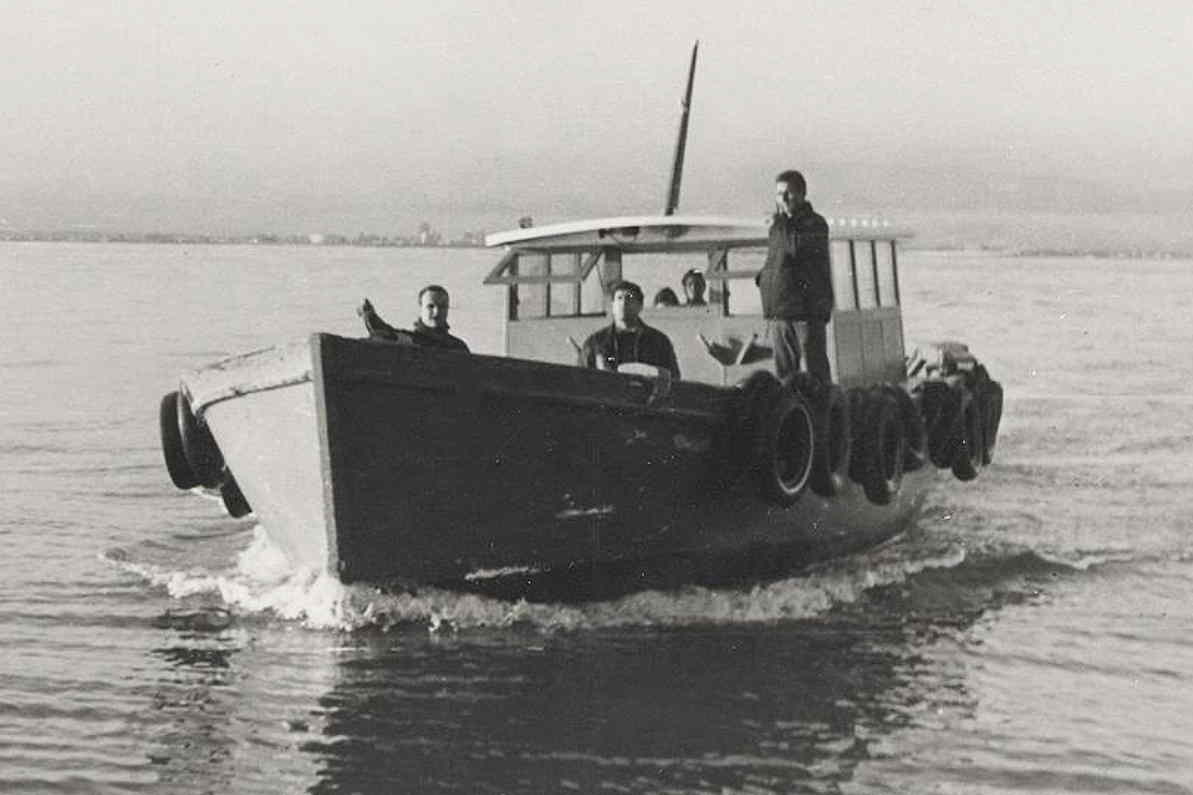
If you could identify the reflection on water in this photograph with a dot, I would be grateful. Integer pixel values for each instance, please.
(772, 708)
(194, 702)
(794, 706)
(768, 707)
(230, 709)
(788, 686)
(889, 686)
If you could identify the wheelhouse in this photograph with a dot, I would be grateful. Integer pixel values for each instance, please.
(557, 280)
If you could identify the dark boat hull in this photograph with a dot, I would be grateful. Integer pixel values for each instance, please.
(441, 467)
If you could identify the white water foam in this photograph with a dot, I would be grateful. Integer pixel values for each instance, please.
(262, 582)
(1084, 560)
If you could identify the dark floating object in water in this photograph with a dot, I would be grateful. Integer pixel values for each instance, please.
(206, 619)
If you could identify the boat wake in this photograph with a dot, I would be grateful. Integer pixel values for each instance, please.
(262, 586)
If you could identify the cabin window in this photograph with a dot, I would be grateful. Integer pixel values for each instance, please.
(654, 272)
(888, 288)
(563, 297)
(532, 298)
(592, 293)
(863, 273)
(844, 294)
(545, 286)
(743, 297)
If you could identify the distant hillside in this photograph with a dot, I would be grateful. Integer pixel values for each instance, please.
(956, 202)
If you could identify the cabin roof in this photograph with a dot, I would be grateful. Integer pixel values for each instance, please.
(654, 233)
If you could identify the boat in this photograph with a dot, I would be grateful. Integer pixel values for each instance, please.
(522, 473)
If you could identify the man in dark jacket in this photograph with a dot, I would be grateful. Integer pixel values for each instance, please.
(796, 282)
(627, 339)
(430, 329)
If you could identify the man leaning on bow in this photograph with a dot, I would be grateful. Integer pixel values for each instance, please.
(796, 283)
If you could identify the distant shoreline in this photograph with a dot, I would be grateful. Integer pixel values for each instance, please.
(340, 242)
(1074, 253)
(227, 240)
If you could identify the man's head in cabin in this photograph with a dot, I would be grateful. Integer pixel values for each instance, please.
(694, 287)
(790, 192)
(666, 297)
(433, 304)
(625, 304)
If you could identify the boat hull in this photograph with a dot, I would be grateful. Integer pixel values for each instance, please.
(406, 465)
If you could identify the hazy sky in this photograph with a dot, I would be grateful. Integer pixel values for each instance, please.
(363, 116)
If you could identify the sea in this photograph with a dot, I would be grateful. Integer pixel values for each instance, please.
(1032, 633)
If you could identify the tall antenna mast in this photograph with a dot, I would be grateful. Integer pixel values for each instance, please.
(682, 142)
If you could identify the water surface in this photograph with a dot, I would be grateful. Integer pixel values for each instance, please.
(1031, 634)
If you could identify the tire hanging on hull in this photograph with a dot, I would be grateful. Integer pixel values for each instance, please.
(913, 427)
(833, 448)
(880, 445)
(942, 411)
(987, 394)
(992, 415)
(969, 450)
(199, 447)
(959, 419)
(779, 429)
(181, 474)
(233, 498)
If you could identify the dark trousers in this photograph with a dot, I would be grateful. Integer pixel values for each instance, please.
(790, 338)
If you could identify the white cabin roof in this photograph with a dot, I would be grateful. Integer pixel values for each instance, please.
(673, 233)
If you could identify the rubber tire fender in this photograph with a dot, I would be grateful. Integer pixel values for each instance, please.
(942, 421)
(202, 453)
(834, 443)
(233, 498)
(735, 438)
(860, 398)
(783, 447)
(969, 452)
(807, 386)
(761, 386)
(914, 431)
(883, 449)
(992, 413)
(181, 474)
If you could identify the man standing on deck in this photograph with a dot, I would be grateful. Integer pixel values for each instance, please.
(627, 339)
(796, 282)
(430, 330)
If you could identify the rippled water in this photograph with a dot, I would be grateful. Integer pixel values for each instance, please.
(1032, 633)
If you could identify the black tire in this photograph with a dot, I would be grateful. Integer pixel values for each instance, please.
(783, 446)
(833, 447)
(914, 430)
(234, 500)
(860, 399)
(883, 449)
(759, 388)
(202, 453)
(942, 421)
(181, 474)
(992, 413)
(968, 456)
(807, 386)
(736, 441)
